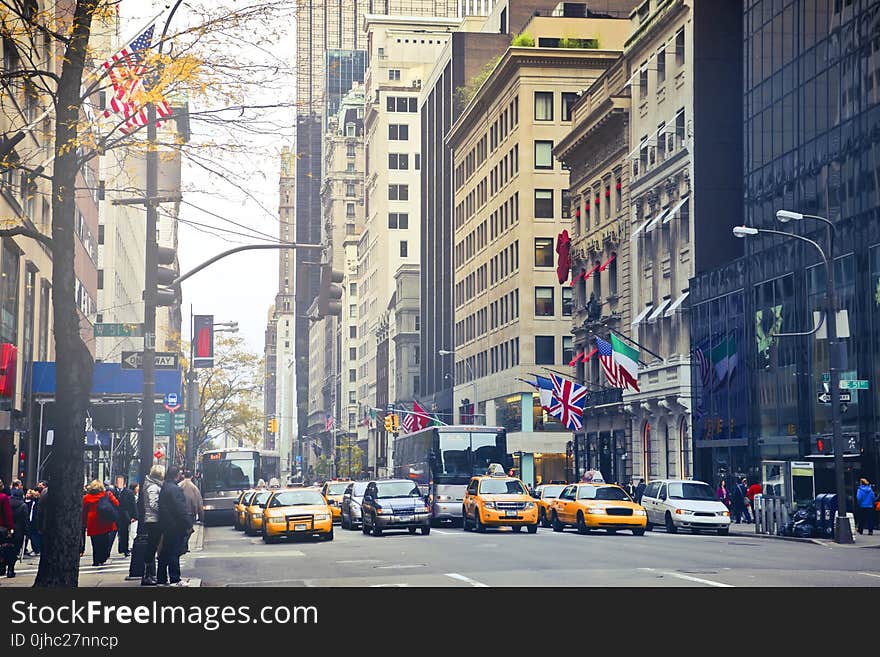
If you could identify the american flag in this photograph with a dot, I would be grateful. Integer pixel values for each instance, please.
(409, 423)
(609, 366)
(568, 402)
(329, 422)
(127, 73)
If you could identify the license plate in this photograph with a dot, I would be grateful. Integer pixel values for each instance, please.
(300, 528)
(511, 514)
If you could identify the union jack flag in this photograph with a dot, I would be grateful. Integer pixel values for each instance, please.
(127, 73)
(568, 402)
(609, 366)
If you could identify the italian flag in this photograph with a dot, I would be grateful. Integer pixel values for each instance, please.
(627, 360)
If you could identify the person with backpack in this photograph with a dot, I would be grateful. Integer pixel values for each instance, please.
(99, 517)
(19, 526)
(175, 522)
(151, 490)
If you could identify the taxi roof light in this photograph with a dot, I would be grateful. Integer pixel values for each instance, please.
(496, 470)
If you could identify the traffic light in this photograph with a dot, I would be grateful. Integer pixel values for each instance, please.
(272, 425)
(165, 275)
(395, 419)
(330, 292)
(22, 465)
(389, 423)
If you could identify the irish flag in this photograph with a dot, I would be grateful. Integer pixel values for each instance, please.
(627, 360)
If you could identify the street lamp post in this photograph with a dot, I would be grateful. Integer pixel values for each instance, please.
(447, 352)
(842, 529)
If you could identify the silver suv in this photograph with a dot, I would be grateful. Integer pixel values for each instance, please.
(684, 503)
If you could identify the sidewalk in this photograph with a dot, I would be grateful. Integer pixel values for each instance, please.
(860, 540)
(113, 574)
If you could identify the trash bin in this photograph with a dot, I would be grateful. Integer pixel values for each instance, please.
(830, 514)
(820, 514)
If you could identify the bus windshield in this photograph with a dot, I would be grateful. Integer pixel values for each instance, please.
(228, 474)
(464, 454)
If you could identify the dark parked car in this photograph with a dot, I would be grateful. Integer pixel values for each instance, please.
(394, 504)
(351, 503)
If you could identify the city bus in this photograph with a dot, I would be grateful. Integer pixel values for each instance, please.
(223, 474)
(442, 460)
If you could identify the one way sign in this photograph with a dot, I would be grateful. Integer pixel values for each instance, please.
(825, 397)
(134, 360)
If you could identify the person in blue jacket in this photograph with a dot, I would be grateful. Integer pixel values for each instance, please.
(865, 499)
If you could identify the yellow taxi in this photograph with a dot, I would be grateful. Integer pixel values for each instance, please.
(238, 509)
(297, 512)
(590, 506)
(333, 491)
(496, 500)
(253, 521)
(544, 495)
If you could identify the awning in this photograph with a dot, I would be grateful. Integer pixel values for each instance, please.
(590, 273)
(607, 262)
(675, 209)
(656, 220)
(641, 316)
(654, 316)
(675, 304)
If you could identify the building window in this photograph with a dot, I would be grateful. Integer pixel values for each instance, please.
(403, 249)
(679, 47)
(352, 353)
(679, 128)
(398, 132)
(398, 161)
(418, 323)
(394, 74)
(643, 81)
(543, 203)
(544, 348)
(352, 376)
(399, 220)
(100, 279)
(349, 189)
(543, 154)
(350, 130)
(9, 294)
(568, 101)
(566, 301)
(349, 168)
(544, 302)
(566, 204)
(567, 348)
(543, 252)
(646, 451)
(418, 161)
(661, 66)
(352, 331)
(684, 448)
(349, 210)
(543, 106)
(398, 192)
(353, 289)
(349, 150)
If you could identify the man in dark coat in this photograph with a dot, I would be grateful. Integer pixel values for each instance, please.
(738, 502)
(20, 525)
(127, 513)
(175, 523)
(640, 490)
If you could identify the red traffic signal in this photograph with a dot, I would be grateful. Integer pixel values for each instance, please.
(820, 446)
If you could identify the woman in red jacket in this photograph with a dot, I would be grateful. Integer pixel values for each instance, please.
(99, 528)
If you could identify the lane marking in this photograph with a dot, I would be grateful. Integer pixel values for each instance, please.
(401, 566)
(869, 574)
(447, 533)
(700, 580)
(470, 581)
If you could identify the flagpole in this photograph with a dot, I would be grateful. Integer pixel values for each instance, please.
(640, 346)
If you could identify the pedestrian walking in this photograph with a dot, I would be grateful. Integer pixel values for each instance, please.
(640, 490)
(151, 489)
(739, 502)
(175, 524)
(722, 493)
(18, 526)
(865, 498)
(127, 514)
(7, 530)
(193, 503)
(99, 517)
(32, 540)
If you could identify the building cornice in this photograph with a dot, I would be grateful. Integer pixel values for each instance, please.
(656, 24)
(611, 108)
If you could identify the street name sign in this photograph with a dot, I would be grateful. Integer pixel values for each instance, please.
(134, 360)
(825, 397)
(119, 330)
(854, 384)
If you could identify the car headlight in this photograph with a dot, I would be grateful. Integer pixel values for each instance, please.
(489, 505)
(276, 519)
(597, 511)
(681, 512)
(723, 513)
(322, 516)
(528, 506)
(640, 512)
(384, 511)
(444, 498)
(207, 507)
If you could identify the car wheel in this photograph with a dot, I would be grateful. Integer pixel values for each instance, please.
(516, 529)
(638, 532)
(345, 524)
(557, 526)
(670, 526)
(649, 527)
(328, 536)
(426, 530)
(723, 531)
(532, 529)
(412, 530)
(364, 528)
(377, 530)
(478, 524)
(581, 525)
(465, 523)
(248, 531)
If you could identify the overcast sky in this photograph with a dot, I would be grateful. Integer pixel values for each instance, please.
(241, 287)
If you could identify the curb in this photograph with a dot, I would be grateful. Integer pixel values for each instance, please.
(780, 538)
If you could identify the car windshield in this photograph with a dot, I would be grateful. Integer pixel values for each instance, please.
(612, 493)
(297, 498)
(397, 489)
(358, 489)
(691, 491)
(337, 488)
(549, 492)
(501, 487)
(260, 498)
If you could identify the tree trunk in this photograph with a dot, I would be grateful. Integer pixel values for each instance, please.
(59, 558)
